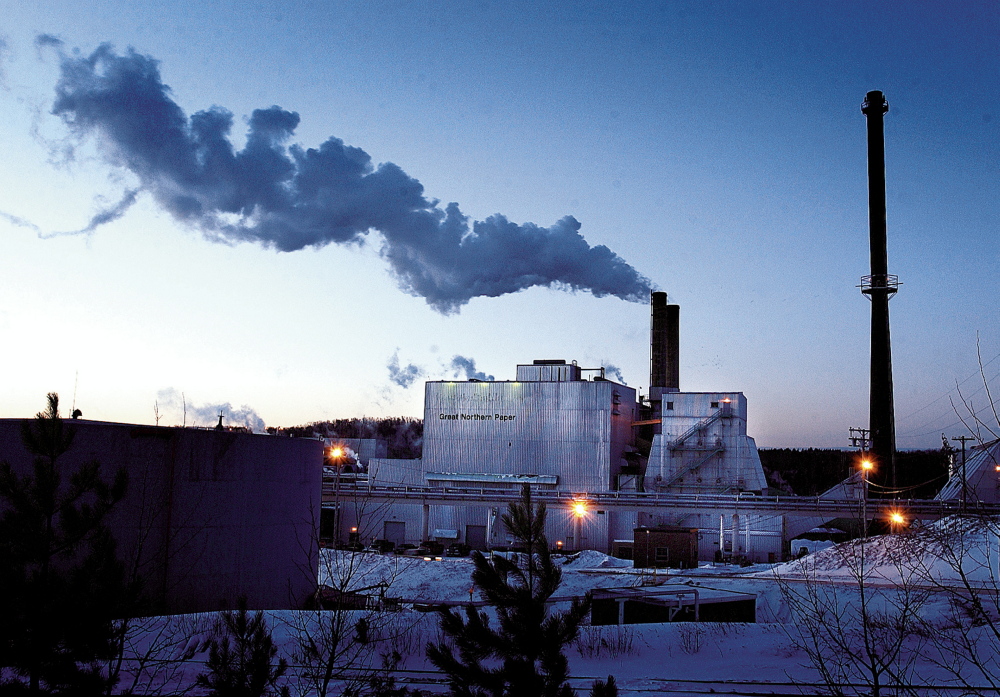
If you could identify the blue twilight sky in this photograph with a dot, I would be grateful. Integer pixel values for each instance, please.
(717, 149)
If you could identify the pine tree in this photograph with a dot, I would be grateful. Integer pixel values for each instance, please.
(523, 655)
(605, 689)
(240, 657)
(61, 584)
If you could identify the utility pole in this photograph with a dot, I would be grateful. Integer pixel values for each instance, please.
(860, 439)
(963, 440)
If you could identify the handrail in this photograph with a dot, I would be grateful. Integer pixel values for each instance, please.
(700, 426)
(744, 501)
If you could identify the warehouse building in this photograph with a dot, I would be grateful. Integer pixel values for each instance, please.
(209, 515)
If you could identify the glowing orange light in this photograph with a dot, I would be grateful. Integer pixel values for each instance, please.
(866, 465)
(336, 452)
(580, 509)
(897, 518)
(726, 400)
(354, 529)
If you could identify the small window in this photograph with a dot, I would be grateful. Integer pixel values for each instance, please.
(662, 556)
(670, 406)
(715, 405)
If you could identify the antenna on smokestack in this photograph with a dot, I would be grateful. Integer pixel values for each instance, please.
(880, 286)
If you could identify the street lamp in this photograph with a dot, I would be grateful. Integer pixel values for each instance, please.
(579, 509)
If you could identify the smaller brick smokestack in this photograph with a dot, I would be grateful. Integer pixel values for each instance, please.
(664, 349)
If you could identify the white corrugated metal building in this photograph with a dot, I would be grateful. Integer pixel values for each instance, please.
(552, 428)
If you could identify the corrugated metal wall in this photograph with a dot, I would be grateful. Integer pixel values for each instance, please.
(568, 429)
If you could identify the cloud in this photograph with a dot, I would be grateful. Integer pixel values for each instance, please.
(404, 377)
(467, 367)
(191, 414)
(287, 197)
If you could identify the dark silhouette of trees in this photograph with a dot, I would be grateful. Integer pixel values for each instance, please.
(61, 584)
(808, 472)
(523, 653)
(403, 435)
(240, 657)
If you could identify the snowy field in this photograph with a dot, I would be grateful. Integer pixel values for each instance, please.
(911, 586)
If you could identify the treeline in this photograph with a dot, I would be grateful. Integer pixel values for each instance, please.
(403, 435)
(920, 474)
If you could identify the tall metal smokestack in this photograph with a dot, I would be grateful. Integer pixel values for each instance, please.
(879, 287)
(664, 348)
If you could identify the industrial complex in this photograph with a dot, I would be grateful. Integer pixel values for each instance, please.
(567, 430)
(623, 469)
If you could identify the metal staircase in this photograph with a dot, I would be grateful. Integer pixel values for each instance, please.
(725, 412)
(710, 451)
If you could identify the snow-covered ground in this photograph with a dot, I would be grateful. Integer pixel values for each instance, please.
(680, 658)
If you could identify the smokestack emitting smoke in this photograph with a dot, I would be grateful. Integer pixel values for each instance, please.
(288, 197)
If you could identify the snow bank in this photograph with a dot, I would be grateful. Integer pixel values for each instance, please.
(589, 559)
(941, 553)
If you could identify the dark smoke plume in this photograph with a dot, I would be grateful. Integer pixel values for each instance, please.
(406, 376)
(467, 367)
(288, 197)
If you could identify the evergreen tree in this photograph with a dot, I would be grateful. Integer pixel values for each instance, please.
(605, 689)
(61, 585)
(523, 655)
(239, 657)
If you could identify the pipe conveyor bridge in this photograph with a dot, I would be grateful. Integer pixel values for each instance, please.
(810, 506)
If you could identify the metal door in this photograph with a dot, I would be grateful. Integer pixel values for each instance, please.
(475, 536)
(394, 531)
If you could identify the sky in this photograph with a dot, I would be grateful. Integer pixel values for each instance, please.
(297, 211)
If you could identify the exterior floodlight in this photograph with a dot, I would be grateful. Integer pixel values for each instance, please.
(336, 452)
(867, 465)
(580, 509)
(897, 518)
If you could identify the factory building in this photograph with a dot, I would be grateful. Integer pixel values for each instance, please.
(977, 480)
(557, 426)
(702, 447)
(208, 516)
(563, 428)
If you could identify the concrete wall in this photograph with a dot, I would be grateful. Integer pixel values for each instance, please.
(209, 515)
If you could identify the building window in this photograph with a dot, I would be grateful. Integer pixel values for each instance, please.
(715, 405)
(670, 406)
